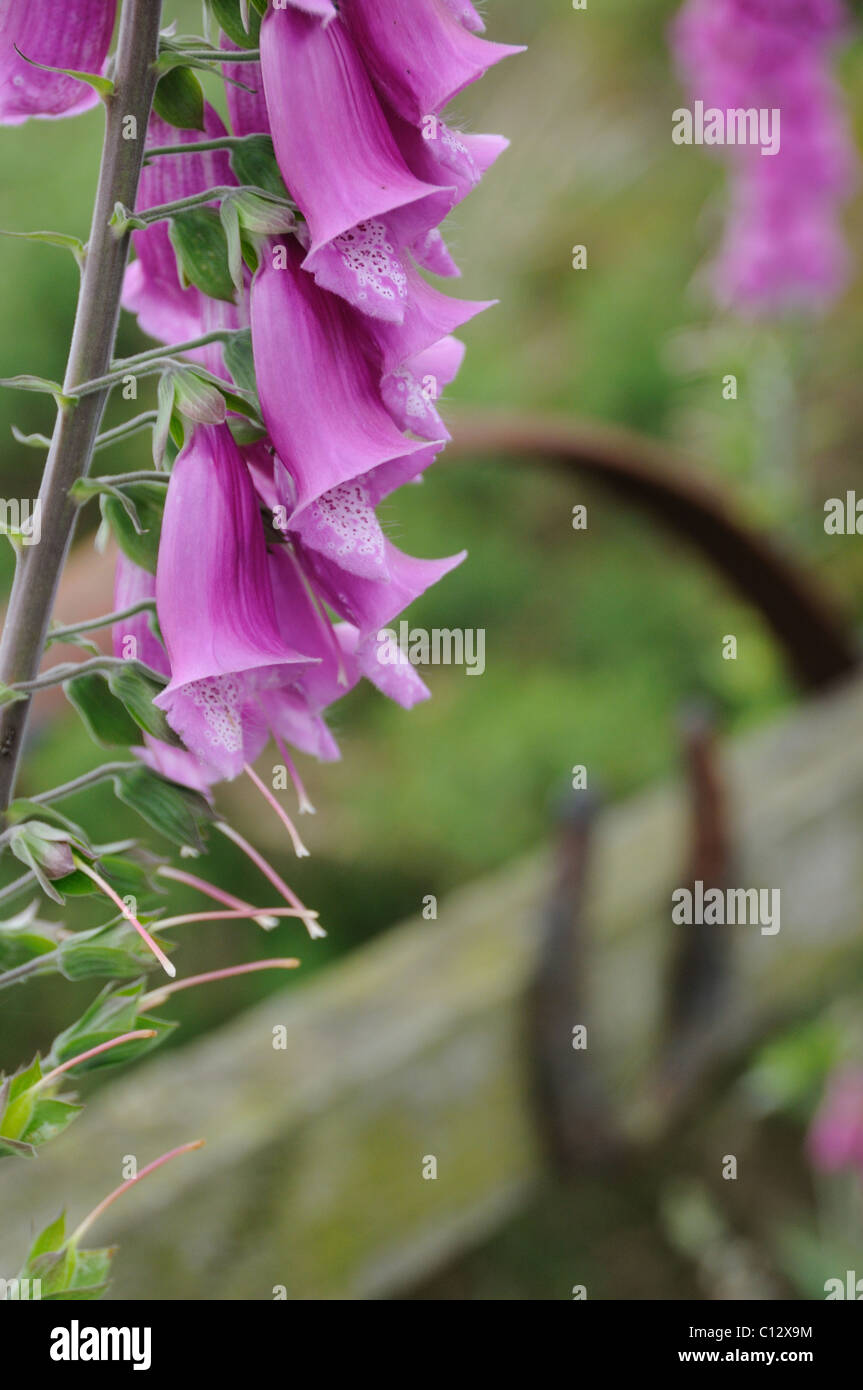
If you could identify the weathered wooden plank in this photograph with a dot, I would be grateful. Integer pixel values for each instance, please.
(415, 1046)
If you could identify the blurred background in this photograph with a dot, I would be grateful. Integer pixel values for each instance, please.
(594, 639)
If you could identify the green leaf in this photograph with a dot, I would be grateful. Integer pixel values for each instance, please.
(254, 163)
(230, 220)
(246, 431)
(105, 717)
(28, 1117)
(229, 17)
(61, 239)
(84, 488)
(103, 85)
(23, 938)
(240, 361)
(90, 1276)
(176, 812)
(115, 951)
(128, 875)
(162, 427)
(50, 1117)
(27, 382)
(68, 1273)
(179, 99)
(8, 696)
(55, 1270)
(137, 692)
(198, 238)
(14, 1148)
(263, 216)
(48, 1240)
(149, 499)
(75, 639)
(235, 400)
(30, 441)
(112, 1013)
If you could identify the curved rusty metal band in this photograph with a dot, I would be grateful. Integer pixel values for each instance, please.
(818, 644)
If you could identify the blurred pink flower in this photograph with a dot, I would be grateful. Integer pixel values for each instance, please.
(783, 246)
(835, 1139)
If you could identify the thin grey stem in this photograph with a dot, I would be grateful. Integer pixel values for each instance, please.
(226, 142)
(141, 475)
(38, 572)
(29, 967)
(224, 55)
(17, 886)
(58, 634)
(120, 432)
(87, 779)
(162, 211)
(218, 335)
(67, 670)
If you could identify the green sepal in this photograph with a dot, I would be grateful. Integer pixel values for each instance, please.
(28, 382)
(65, 1272)
(114, 951)
(178, 813)
(84, 488)
(240, 361)
(142, 547)
(27, 1116)
(23, 938)
(62, 239)
(105, 718)
(48, 1240)
(8, 696)
(179, 99)
(229, 17)
(255, 166)
(113, 1012)
(198, 239)
(46, 850)
(30, 441)
(103, 85)
(197, 399)
(136, 691)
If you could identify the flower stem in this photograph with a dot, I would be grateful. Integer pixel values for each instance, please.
(218, 335)
(57, 634)
(225, 142)
(38, 570)
(224, 55)
(67, 670)
(121, 432)
(123, 219)
(28, 968)
(77, 784)
(106, 1202)
(17, 886)
(139, 475)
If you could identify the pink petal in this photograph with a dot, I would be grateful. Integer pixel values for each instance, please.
(334, 147)
(419, 55)
(70, 34)
(319, 389)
